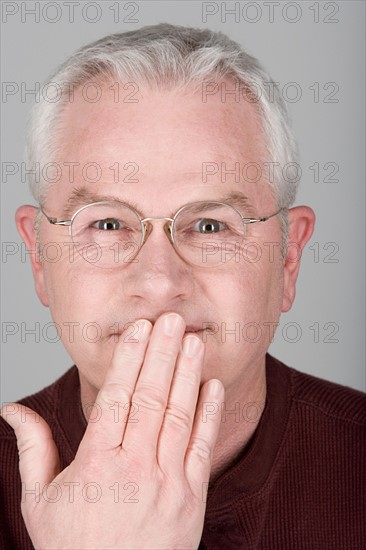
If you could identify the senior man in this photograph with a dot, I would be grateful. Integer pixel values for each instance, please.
(167, 432)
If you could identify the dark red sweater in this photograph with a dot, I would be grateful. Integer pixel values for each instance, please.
(299, 484)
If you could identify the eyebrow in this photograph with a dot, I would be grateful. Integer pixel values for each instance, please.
(81, 196)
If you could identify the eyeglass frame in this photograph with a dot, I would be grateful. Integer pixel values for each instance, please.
(169, 229)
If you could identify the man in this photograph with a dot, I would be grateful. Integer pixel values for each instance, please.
(135, 446)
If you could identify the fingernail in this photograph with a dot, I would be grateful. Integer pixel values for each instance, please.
(191, 346)
(144, 329)
(172, 324)
(215, 387)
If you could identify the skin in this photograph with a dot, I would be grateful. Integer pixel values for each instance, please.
(168, 135)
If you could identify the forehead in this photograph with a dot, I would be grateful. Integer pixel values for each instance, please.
(161, 139)
(218, 123)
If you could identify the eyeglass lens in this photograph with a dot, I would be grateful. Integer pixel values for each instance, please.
(110, 234)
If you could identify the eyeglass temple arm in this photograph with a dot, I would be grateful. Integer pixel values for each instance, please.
(264, 219)
(54, 220)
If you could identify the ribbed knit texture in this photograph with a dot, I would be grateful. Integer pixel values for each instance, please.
(299, 484)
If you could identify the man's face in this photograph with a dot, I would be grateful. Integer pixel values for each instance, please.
(167, 137)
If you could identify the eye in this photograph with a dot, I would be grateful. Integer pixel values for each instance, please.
(208, 225)
(108, 224)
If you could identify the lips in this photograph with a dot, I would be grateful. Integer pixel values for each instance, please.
(208, 329)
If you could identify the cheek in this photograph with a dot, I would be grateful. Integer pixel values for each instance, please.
(248, 304)
(79, 305)
(256, 287)
(76, 295)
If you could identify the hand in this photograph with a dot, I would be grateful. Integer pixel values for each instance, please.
(132, 484)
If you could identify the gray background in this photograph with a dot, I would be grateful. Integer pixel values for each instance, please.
(304, 52)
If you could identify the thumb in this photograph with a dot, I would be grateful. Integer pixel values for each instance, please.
(39, 461)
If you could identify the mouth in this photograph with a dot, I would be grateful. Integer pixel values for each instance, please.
(207, 328)
(201, 333)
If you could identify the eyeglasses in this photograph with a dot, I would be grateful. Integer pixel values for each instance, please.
(206, 233)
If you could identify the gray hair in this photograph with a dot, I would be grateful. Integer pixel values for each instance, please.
(166, 57)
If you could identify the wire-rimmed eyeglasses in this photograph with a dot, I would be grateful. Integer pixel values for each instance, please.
(204, 233)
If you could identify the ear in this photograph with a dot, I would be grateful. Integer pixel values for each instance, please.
(301, 221)
(25, 217)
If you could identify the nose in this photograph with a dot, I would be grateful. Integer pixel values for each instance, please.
(158, 274)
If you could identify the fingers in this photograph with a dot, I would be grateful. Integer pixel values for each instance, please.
(205, 430)
(114, 398)
(179, 415)
(153, 386)
(162, 383)
(38, 455)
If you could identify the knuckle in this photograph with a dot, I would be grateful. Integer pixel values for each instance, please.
(113, 393)
(129, 356)
(200, 448)
(150, 397)
(163, 356)
(178, 416)
(187, 378)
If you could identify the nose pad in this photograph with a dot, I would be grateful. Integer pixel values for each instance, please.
(168, 232)
(149, 228)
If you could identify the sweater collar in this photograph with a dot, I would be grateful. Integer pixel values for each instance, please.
(253, 466)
